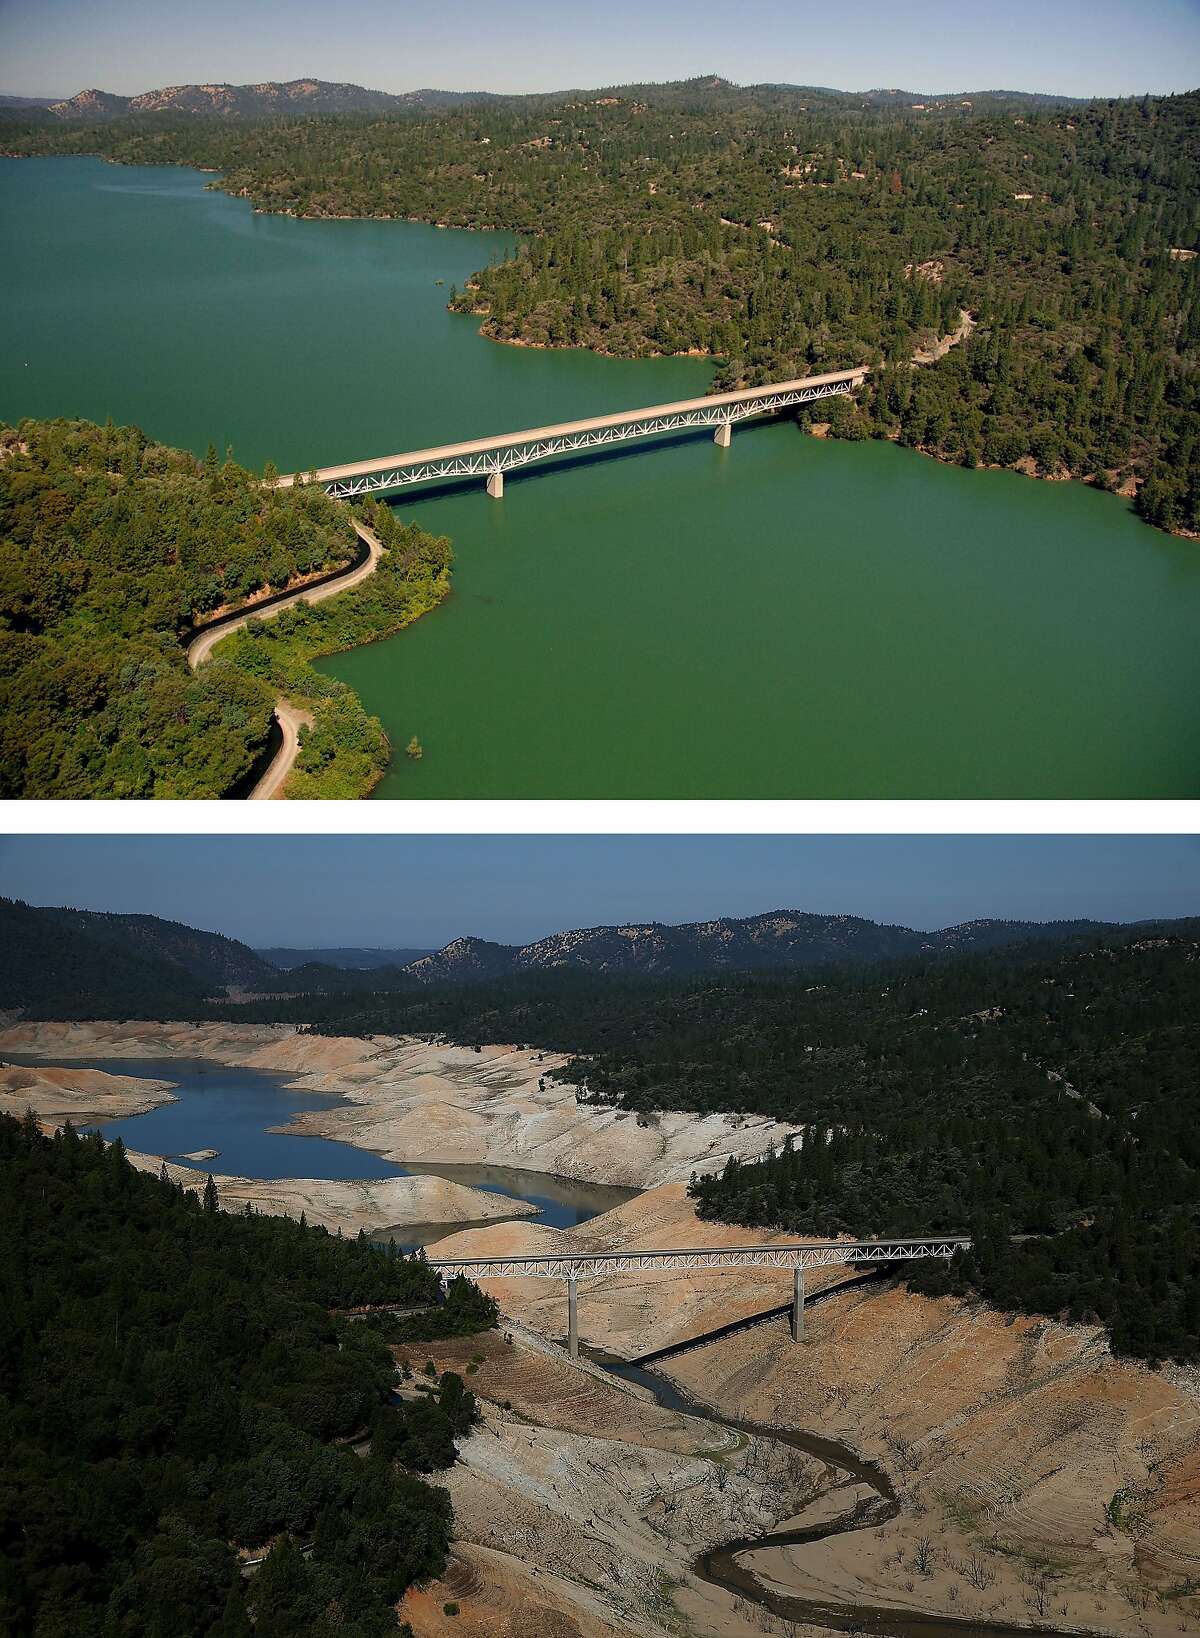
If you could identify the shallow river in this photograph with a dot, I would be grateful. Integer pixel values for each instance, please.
(784, 618)
(233, 1110)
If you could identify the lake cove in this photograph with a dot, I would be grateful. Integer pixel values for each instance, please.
(788, 617)
(229, 1115)
(139, 293)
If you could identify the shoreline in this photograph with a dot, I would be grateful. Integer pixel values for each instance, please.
(417, 1104)
(952, 1402)
(514, 341)
(345, 1204)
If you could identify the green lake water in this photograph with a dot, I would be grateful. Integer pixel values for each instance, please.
(785, 618)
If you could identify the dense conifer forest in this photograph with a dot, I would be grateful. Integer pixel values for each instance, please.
(786, 231)
(111, 548)
(177, 1398)
(1043, 1097)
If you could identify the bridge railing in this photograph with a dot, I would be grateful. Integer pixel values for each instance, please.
(595, 1265)
(492, 457)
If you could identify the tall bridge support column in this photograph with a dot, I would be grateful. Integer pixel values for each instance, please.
(572, 1319)
(798, 1305)
(495, 485)
(722, 435)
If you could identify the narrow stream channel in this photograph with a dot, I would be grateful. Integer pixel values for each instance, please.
(720, 1566)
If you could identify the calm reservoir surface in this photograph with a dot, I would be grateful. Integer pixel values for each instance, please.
(233, 1110)
(785, 618)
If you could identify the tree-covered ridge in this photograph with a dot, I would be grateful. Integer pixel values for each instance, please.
(49, 960)
(173, 1393)
(111, 548)
(787, 231)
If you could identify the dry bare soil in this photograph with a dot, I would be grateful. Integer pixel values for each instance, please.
(1041, 1482)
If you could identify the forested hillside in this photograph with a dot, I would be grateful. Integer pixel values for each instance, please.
(51, 963)
(787, 230)
(111, 548)
(174, 1399)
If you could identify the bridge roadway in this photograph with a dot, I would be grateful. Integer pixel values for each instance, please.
(496, 455)
(572, 1267)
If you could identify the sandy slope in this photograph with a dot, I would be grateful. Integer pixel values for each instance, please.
(353, 1204)
(579, 1503)
(411, 1101)
(80, 1095)
(1010, 1435)
(257, 1046)
(1006, 1438)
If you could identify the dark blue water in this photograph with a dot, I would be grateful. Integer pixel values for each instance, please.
(233, 1110)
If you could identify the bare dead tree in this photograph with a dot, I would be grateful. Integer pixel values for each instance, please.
(979, 1573)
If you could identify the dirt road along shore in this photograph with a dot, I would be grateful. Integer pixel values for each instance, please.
(289, 717)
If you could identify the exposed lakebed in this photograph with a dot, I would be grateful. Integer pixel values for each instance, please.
(236, 1112)
(788, 617)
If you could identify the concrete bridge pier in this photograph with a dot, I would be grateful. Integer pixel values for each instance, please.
(722, 435)
(798, 1305)
(572, 1319)
(495, 485)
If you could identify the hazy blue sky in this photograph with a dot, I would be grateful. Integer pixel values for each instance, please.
(1079, 47)
(423, 891)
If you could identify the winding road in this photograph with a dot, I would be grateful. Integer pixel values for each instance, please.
(290, 718)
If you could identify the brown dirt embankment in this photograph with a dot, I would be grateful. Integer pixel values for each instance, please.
(440, 1103)
(410, 1101)
(256, 1046)
(83, 1096)
(1022, 1430)
(349, 1204)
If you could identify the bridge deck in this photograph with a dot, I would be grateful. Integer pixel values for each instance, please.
(743, 399)
(592, 1265)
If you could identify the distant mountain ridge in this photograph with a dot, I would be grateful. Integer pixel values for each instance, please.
(60, 962)
(776, 938)
(270, 98)
(261, 101)
(76, 963)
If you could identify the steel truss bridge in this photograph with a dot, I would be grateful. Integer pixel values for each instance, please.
(599, 1264)
(493, 457)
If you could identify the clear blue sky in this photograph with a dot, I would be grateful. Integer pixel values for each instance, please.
(1079, 47)
(422, 891)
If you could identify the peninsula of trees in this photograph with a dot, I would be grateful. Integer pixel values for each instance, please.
(787, 230)
(112, 548)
